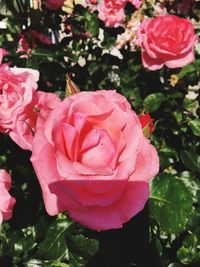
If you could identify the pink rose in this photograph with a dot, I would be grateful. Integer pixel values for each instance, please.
(7, 202)
(111, 12)
(93, 161)
(54, 4)
(25, 125)
(17, 86)
(166, 39)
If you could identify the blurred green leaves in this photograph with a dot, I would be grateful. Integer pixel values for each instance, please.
(195, 126)
(190, 250)
(153, 101)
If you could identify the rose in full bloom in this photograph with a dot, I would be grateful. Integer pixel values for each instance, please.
(111, 12)
(17, 86)
(166, 39)
(93, 161)
(24, 128)
(7, 202)
(54, 4)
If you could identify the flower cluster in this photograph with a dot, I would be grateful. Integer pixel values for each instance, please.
(21, 103)
(165, 39)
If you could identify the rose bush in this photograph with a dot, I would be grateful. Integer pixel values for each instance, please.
(166, 39)
(93, 161)
(97, 56)
(7, 202)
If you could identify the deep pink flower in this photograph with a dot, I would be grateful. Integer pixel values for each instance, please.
(54, 4)
(166, 39)
(93, 161)
(7, 202)
(24, 45)
(41, 37)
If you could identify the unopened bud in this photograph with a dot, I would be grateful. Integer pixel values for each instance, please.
(147, 124)
(71, 87)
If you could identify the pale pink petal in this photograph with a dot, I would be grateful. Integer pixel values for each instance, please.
(147, 165)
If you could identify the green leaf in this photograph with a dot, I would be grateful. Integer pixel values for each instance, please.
(75, 261)
(186, 70)
(85, 246)
(175, 264)
(189, 253)
(153, 101)
(191, 159)
(191, 105)
(195, 126)
(41, 52)
(192, 183)
(81, 249)
(178, 115)
(54, 244)
(176, 95)
(92, 23)
(170, 203)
